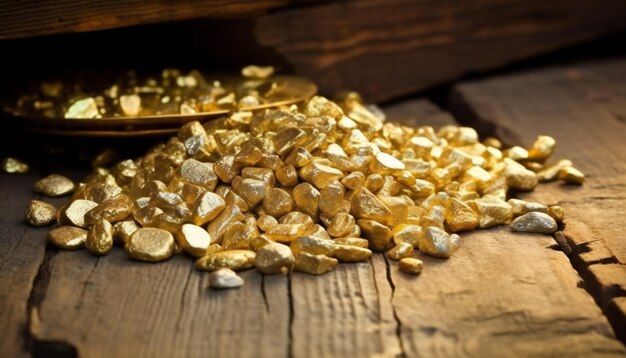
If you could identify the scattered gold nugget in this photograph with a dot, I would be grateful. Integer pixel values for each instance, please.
(150, 244)
(411, 265)
(40, 213)
(100, 237)
(13, 165)
(54, 185)
(224, 278)
(68, 237)
(535, 222)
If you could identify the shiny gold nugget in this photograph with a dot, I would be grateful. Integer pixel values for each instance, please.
(274, 258)
(13, 165)
(411, 265)
(100, 238)
(150, 244)
(40, 213)
(68, 237)
(233, 259)
(54, 185)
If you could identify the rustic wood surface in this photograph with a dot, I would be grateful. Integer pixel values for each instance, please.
(502, 294)
(37, 17)
(584, 108)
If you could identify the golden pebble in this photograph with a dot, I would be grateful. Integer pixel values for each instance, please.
(317, 231)
(40, 213)
(196, 172)
(571, 175)
(351, 253)
(193, 239)
(535, 222)
(207, 207)
(438, 243)
(123, 230)
(556, 212)
(251, 190)
(519, 178)
(551, 172)
(278, 202)
(274, 258)
(13, 165)
(232, 259)
(306, 198)
(100, 238)
(521, 207)
(239, 236)
(314, 264)
(313, 245)
(112, 210)
(319, 175)
(376, 233)
(384, 163)
(257, 72)
(491, 211)
(285, 232)
(288, 139)
(407, 233)
(84, 108)
(459, 216)
(101, 192)
(150, 244)
(265, 222)
(400, 251)
(67, 237)
(366, 205)
(54, 186)
(227, 216)
(411, 265)
(341, 225)
(262, 174)
(319, 106)
(352, 241)
(130, 105)
(224, 278)
(542, 148)
(74, 214)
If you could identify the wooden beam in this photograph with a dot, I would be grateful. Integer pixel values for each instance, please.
(35, 17)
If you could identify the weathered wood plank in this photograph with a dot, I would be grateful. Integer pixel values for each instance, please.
(502, 294)
(385, 49)
(21, 253)
(583, 106)
(31, 18)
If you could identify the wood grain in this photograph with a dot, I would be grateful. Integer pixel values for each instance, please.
(583, 106)
(385, 49)
(35, 17)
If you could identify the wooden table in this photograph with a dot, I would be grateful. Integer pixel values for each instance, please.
(502, 294)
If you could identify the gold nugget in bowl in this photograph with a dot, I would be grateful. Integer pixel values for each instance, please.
(134, 105)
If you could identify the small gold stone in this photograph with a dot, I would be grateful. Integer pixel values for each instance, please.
(571, 175)
(193, 239)
(519, 178)
(150, 244)
(274, 258)
(278, 202)
(74, 214)
(407, 233)
(319, 175)
(224, 278)
(227, 216)
(542, 148)
(112, 210)
(400, 251)
(40, 213)
(130, 105)
(100, 238)
(366, 205)
(233, 259)
(436, 242)
(314, 264)
(13, 165)
(535, 222)
(551, 172)
(521, 207)
(352, 241)
(85, 108)
(556, 212)
(341, 225)
(351, 253)
(459, 216)
(207, 207)
(123, 230)
(411, 265)
(257, 72)
(54, 186)
(376, 233)
(68, 237)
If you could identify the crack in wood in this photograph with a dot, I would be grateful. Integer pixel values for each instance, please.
(392, 285)
(264, 294)
(36, 346)
(183, 297)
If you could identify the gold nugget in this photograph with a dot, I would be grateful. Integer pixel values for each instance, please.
(40, 213)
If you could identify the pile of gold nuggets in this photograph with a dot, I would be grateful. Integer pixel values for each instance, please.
(303, 188)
